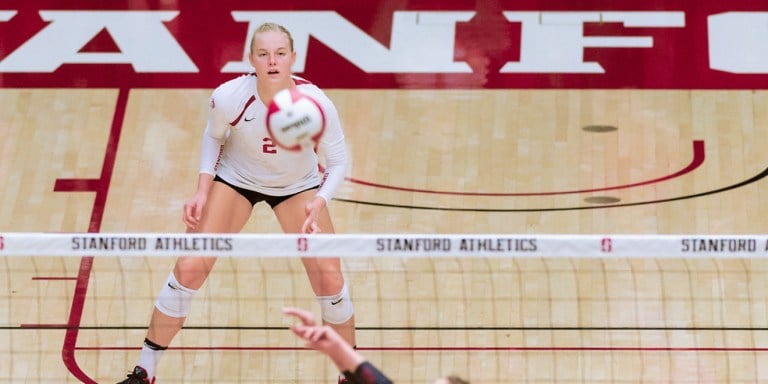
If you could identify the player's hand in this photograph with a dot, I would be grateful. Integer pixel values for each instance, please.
(325, 339)
(320, 337)
(193, 209)
(302, 314)
(312, 209)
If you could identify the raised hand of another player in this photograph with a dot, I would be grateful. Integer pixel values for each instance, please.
(325, 339)
(320, 337)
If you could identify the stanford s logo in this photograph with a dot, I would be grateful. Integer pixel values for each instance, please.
(302, 244)
(606, 245)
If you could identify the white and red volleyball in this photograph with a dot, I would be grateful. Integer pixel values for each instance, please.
(295, 120)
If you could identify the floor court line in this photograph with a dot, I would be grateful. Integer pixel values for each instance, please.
(697, 160)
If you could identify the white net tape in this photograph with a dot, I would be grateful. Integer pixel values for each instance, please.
(392, 245)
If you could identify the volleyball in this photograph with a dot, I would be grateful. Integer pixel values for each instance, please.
(295, 120)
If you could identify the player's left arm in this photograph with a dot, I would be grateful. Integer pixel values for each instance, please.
(333, 147)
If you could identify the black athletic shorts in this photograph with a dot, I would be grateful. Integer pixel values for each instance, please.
(255, 197)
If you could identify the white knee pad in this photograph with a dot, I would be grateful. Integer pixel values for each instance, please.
(338, 308)
(174, 299)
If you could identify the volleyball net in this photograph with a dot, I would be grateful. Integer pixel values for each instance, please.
(488, 307)
(381, 245)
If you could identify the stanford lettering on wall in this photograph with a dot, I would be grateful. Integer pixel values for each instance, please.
(636, 44)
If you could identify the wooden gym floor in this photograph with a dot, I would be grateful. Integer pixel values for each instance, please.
(449, 161)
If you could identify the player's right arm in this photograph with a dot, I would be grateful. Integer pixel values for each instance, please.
(215, 135)
(193, 208)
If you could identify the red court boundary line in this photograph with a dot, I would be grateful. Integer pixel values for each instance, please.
(101, 187)
(696, 161)
(426, 349)
(75, 315)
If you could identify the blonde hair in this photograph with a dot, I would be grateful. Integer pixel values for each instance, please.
(272, 27)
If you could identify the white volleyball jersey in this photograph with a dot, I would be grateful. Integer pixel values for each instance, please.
(249, 159)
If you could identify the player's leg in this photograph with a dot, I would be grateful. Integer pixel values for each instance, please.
(324, 274)
(226, 211)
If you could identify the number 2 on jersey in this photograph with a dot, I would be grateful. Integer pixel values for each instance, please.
(268, 146)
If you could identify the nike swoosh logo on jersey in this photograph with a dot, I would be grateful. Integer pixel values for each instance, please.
(247, 119)
(336, 302)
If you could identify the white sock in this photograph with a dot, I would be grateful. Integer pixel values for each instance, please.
(150, 355)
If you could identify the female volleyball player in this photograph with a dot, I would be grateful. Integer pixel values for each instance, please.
(240, 166)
